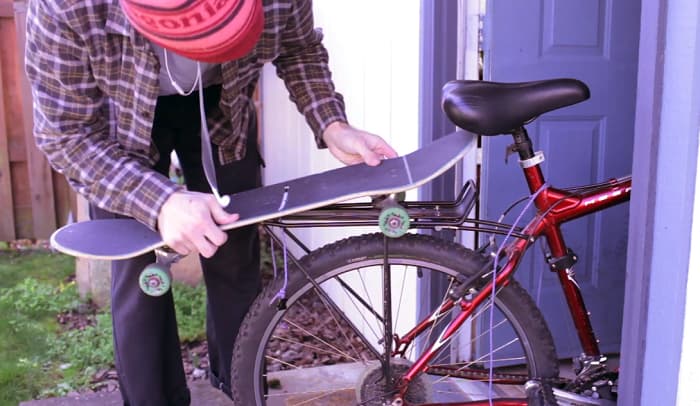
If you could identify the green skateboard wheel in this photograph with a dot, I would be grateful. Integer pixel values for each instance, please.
(394, 221)
(155, 280)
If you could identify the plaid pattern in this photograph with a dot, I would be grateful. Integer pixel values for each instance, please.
(95, 85)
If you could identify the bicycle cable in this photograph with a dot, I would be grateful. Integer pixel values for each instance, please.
(492, 237)
(497, 255)
(282, 293)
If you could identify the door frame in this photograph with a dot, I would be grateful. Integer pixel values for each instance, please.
(438, 64)
(646, 379)
(664, 172)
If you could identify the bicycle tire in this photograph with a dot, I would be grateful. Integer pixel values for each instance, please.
(259, 341)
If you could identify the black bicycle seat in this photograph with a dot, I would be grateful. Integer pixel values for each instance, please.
(491, 108)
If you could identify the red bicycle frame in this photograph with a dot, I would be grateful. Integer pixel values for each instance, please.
(554, 207)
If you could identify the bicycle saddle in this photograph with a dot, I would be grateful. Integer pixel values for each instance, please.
(491, 108)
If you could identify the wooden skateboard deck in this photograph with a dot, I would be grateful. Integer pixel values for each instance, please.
(125, 238)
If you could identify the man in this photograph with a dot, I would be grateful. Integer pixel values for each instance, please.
(117, 87)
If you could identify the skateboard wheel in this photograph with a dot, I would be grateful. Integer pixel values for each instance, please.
(155, 280)
(394, 221)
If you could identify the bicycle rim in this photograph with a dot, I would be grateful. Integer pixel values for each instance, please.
(313, 352)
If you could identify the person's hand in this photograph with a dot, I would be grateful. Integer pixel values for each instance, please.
(188, 222)
(350, 145)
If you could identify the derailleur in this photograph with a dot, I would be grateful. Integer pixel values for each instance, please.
(593, 379)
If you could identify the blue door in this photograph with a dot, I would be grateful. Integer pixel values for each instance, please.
(595, 41)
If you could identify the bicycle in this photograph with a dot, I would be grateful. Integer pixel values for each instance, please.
(462, 350)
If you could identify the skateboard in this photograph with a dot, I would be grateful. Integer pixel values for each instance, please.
(114, 239)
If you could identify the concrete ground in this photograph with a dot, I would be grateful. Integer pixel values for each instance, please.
(307, 387)
(202, 394)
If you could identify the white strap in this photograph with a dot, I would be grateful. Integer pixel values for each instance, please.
(197, 79)
(207, 158)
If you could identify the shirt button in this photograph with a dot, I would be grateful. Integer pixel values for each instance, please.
(145, 114)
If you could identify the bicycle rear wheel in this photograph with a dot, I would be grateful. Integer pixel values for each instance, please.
(315, 353)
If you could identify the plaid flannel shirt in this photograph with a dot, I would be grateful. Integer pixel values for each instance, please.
(95, 84)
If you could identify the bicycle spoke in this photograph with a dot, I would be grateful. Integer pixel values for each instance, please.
(344, 337)
(315, 396)
(324, 395)
(352, 294)
(369, 298)
(345, 334)
(480, 311)
(281, 361)
(431, 330)
(362, 314)
(401, 291)
(335, 351)
(334, 312)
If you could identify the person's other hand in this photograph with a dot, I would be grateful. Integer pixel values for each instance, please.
(188, 222)
(350, 145)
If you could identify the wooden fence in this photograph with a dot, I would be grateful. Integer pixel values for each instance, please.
(34, 200)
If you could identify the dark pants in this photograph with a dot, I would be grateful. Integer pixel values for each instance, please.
(146, 343)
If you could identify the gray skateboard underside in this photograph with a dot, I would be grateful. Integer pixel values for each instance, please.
(125, 238)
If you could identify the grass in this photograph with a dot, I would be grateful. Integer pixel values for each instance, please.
(40, 359)
(26, 320)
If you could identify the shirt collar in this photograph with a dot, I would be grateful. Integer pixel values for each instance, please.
(117, 23)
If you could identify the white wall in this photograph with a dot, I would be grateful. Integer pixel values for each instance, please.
(374, 57)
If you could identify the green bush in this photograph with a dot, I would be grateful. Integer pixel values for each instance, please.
(34, 298)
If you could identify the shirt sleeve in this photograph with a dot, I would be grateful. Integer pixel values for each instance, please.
(303, 66)
(71, 121)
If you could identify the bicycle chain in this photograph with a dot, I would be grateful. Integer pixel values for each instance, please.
(484, 376)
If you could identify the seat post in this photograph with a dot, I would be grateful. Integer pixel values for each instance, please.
(523, 144)
(531, 167)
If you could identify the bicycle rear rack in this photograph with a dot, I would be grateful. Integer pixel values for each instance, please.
(435, 215)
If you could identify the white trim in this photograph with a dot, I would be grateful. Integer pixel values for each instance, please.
(689, 373)
(471, 13)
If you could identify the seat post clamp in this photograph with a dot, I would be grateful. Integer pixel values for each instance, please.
(537, 159)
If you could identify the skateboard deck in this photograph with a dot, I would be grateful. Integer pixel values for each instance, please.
(113, 239)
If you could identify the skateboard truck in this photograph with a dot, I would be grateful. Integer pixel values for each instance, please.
(155, 279)
(393, 219)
